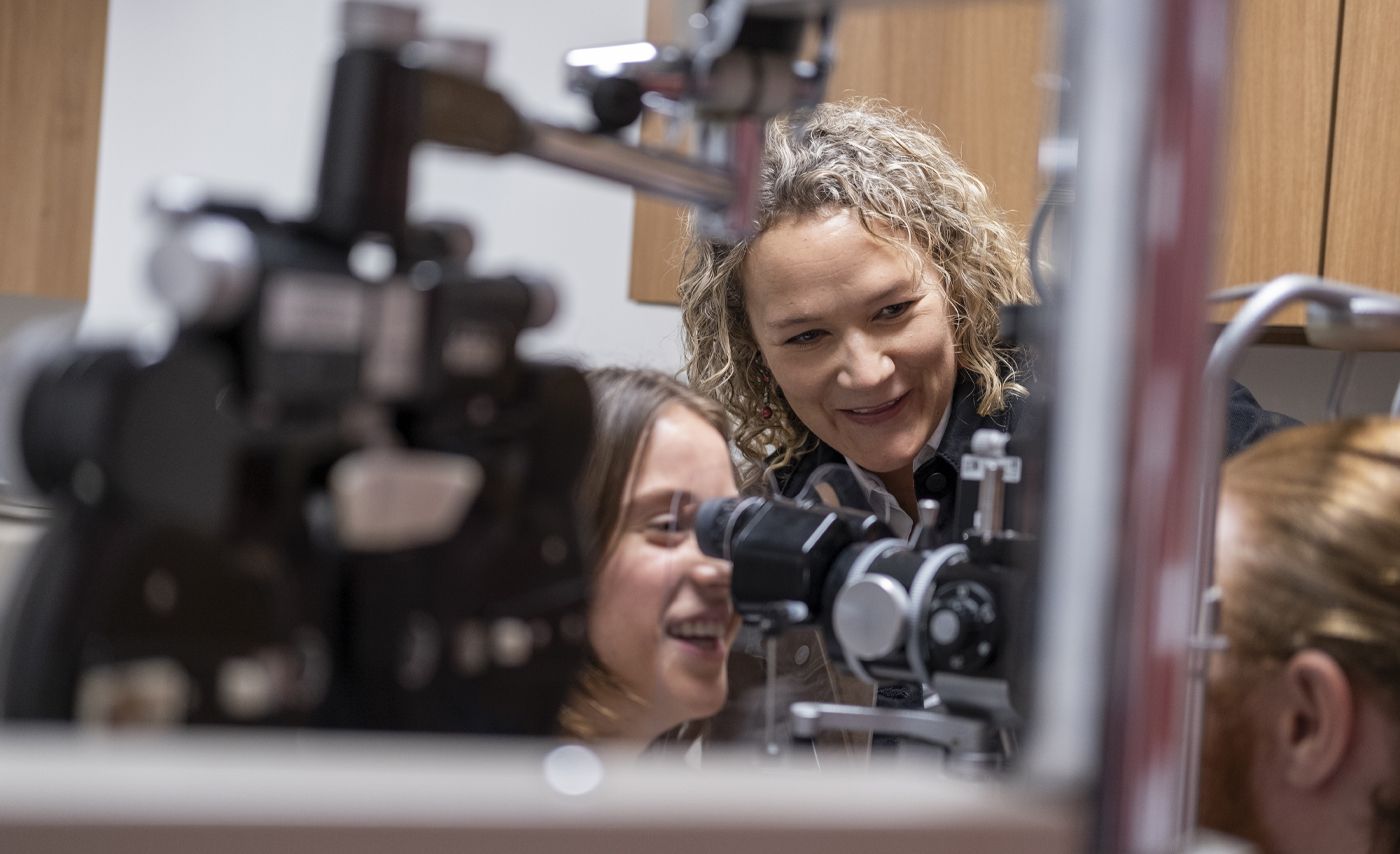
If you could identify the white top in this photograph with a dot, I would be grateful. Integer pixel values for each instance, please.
(880, 499)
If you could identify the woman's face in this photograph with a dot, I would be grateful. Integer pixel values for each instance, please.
(662, 621)
(856, 337)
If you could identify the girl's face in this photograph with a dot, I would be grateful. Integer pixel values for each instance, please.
(661, 620)
(857, 336)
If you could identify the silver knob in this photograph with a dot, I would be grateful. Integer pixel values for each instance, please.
(870, 618)
(990, 443)
(206, 270)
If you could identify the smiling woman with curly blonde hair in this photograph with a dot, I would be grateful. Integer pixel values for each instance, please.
(870, 291)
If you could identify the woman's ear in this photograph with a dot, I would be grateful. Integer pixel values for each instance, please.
(1317, 722)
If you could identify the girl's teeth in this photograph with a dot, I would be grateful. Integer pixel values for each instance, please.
(698, 630)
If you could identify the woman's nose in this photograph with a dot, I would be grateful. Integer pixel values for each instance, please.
(864, 364)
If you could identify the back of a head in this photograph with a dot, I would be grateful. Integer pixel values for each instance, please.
(1310, 560)
(1319, 544)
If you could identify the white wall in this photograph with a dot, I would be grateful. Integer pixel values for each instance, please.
(1297, 380)
(235, 93)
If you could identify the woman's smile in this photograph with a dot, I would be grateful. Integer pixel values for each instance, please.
(878, 414)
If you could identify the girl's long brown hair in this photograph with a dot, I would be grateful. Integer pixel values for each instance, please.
(626, 403)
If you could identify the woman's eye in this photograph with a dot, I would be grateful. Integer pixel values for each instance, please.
(805, 337)
(890, 312)
(664, 531)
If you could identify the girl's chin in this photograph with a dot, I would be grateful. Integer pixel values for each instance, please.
(702, 700)
(709, 708)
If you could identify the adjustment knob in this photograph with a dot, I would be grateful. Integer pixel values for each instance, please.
(207, 270)
(962, 626)
(617, 103)
(869, 617)
(947, 627)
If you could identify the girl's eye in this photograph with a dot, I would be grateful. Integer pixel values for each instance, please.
(661, 524)
(890, 312)
(664, 531)
(805, 337)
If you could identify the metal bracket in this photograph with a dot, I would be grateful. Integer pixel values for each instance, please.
(969, 739)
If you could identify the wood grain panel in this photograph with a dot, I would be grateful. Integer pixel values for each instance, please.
(1363, 229)
(968, 69)
(656, 224)
(51, 56)
(1275, 179)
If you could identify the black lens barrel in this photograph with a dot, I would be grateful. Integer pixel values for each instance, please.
(781, 552)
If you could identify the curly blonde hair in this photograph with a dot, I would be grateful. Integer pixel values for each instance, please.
(904, 187)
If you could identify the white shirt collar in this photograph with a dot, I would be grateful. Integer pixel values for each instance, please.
(880, 499)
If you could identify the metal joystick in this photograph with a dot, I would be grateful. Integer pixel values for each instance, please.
(925, 533)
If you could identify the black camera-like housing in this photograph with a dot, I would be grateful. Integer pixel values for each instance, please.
(791, 548)
(219, 551)
(958, 616)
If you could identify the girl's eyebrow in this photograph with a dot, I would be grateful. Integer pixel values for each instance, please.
(658, 500)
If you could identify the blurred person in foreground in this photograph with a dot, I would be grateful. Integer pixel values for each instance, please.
(1302, 742)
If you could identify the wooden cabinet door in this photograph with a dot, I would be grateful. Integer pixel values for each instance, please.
(1274, 176)
(1363, 222)
(974, 71)
(656, 224)
(51, 54)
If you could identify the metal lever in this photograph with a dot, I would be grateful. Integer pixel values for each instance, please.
(926, 526)
(771, 622)
(970, 740)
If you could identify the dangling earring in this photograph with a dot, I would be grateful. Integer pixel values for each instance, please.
(766, 380)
